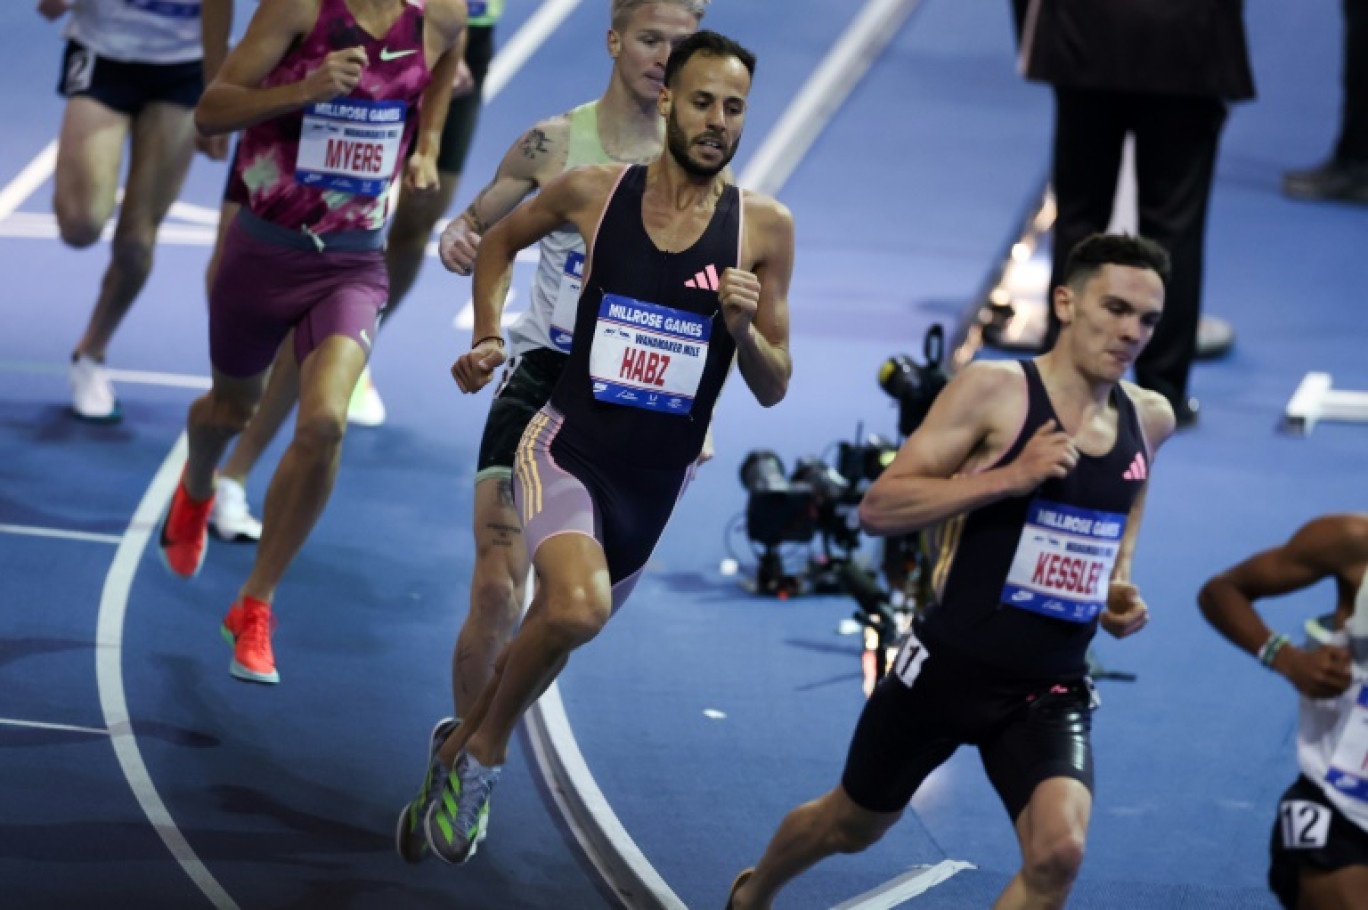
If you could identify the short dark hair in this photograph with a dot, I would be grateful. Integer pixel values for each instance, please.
(710, 44)
(1097, 250)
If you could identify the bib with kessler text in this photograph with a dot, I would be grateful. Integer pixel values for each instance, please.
(1064, 560)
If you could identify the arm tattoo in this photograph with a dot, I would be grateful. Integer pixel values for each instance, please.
(505, 492)
(472, 213)
(534, 143)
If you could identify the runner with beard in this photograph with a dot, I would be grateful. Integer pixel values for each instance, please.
(678, 284)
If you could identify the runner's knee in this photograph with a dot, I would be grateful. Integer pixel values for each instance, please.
(77, 225)
(1051, 864)
(320, 434)
(132, 251)
(578, 612)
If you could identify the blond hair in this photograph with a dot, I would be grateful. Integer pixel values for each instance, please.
(622, 9)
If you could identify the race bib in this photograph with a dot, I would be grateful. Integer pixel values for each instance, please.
(1349, 765)
(567, 301)
(79, 71)
(648, 356)
(350, 145)
(1304, 825)
(1064, 561)
(907, 665)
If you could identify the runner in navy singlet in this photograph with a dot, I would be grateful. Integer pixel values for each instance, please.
(1034, 476)
(683, 275)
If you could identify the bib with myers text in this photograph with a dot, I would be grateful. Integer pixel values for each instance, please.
(1349, 766)
(350, 145)
(1064, 561)
(648, 356)
(567, 301)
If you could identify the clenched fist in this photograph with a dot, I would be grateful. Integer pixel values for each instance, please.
(336, 76)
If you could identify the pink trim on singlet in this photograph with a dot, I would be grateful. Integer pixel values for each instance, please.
(593, 241)
(740, 227)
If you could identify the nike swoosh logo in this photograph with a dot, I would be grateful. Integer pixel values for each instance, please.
(387, 55)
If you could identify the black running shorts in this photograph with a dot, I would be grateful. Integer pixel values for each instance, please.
(931, 703)
(1310, 832)
(128, 87)
(526, 386)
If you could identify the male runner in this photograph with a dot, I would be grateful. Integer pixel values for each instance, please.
(328, 92)
(684, 273)
(1320, 835)
(131, 72)
(622, 126)
(1035, 474)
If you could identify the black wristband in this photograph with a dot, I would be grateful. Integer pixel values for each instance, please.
(487, 338)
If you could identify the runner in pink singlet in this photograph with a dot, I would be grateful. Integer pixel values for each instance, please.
(330, 92)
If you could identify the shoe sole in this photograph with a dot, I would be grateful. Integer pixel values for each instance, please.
(235, 536)
(105, 420)
(240, 672)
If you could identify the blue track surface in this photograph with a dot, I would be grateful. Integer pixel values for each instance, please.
(287, 795)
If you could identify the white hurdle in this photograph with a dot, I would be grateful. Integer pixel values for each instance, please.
(1316, 399)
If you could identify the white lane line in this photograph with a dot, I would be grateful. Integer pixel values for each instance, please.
(905, 887)
(524, 44)
(586, 811)
(39, 725)
(28, 180)
(109, 674)
(28, 531)
(824, 93)
(138, 377)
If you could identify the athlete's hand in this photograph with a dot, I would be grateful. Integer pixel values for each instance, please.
(336, 76)
(1126, 612)
(1322, 673)
(475, 368)
(420, 174)
(53, 9)
(463, 83)
(458, 245)
(739, 294)
(1050, 453)
(215, 148)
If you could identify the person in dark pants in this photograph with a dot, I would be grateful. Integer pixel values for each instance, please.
(1345, 175)
(1166, 71)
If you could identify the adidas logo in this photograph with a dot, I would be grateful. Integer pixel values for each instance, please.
(705, 280)
(1137, 469)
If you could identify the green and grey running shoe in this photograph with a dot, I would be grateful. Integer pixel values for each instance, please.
(457, 819)
(409, 840)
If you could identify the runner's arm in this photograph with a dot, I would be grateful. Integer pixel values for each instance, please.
(235, 99)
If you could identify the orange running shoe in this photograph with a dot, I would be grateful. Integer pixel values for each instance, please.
(247, 627)
(185, 532)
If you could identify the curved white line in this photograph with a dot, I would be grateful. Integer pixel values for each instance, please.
(109, 673)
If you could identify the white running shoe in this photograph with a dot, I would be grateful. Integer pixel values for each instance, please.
(92, 394)
(231, 518)
(365, 408)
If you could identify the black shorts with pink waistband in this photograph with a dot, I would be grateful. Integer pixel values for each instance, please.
(561, 486)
